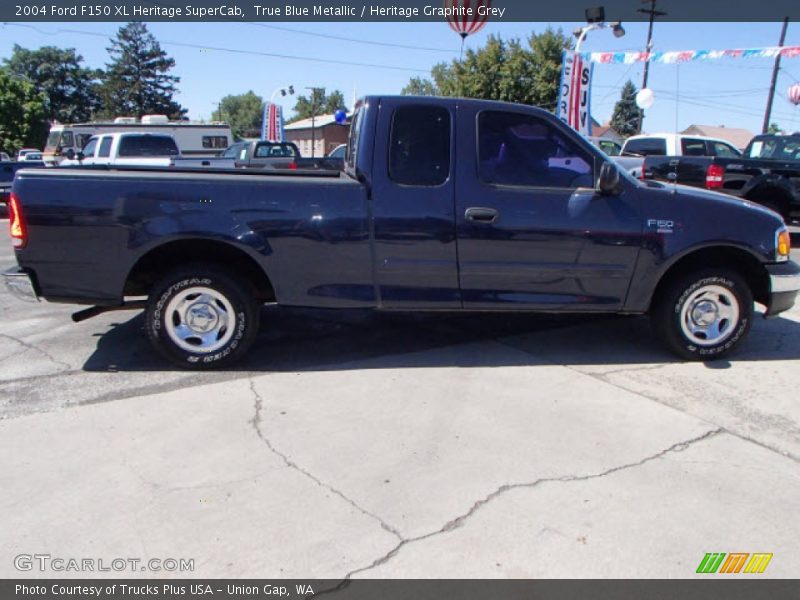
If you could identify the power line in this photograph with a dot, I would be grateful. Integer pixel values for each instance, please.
(231, 50)
(352, 40)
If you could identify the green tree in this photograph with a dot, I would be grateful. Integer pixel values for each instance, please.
(510, 70)
(318, 103)
(774, 128)
(418, 86)
(627, 117)
(70, 89)
(137, 81)
(22, 111)
(243, 113)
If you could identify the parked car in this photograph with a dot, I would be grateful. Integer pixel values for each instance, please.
(129, 148)
(4, 157)
(672, 144)
(32, 157)
(444, 204)
(264, 155)
(21, 153)
(774, 147)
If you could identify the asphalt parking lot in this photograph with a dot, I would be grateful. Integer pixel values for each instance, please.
(387, 445)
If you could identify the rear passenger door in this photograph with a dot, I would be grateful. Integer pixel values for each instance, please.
(415, 259)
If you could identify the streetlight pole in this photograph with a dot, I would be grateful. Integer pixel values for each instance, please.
(313, 115)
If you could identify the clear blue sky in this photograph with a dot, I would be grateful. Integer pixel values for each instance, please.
(730, 92)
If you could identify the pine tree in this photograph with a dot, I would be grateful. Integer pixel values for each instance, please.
(137, 80)
(627, 117)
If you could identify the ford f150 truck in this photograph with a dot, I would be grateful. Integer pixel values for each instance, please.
(444, 204)
(768, 173)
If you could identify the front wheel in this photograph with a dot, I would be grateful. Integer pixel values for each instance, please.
(704, 315)
(200, 318)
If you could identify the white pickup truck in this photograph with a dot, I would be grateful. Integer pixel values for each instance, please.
(128, 148)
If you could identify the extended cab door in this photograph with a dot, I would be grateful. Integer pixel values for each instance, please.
(413, 205)
(532, 231)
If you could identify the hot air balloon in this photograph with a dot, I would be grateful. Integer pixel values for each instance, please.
(460, 19)
(794, 94)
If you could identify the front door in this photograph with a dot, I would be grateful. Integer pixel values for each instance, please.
(532, 231)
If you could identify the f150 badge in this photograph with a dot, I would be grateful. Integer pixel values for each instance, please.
(661, 225)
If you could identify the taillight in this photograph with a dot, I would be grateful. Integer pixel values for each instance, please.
(641, 173)
(19, 234)
(714, 176)
(292, 166)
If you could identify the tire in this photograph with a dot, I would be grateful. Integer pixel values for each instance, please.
(200, 318)
(705, 314)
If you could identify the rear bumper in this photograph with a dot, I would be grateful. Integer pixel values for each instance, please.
(784, 283)
(20, 284)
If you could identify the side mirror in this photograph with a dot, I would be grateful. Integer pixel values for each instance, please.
(609, 182)
(69, 154)
(79, 155)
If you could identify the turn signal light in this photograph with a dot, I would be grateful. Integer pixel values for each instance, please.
(784, 245)
(19, 234)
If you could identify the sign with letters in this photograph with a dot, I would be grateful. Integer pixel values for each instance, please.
(574, 93)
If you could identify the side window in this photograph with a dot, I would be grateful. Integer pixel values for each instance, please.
(215, 141)
(81, 139)
(724, 150)
(67, 139)
(233, 151)
(692, 147)
(419, 146)
(90, 147)
(646, 147)
(105, 147)
(518, 149)
(147, 145)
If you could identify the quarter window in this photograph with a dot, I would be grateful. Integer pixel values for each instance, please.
(105, 147)
(419, 146)
(524, 150)
(89, 148)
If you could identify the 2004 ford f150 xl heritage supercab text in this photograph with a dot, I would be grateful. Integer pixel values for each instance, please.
(445, 204)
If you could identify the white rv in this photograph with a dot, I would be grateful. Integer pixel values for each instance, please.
(193, 138)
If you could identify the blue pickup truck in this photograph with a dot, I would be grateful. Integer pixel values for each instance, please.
(444, 204)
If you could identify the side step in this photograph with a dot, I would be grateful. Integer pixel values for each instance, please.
(93, 311)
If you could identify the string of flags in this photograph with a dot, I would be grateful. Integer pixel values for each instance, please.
(627, 58)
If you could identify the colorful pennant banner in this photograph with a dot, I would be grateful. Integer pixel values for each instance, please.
(627, 58)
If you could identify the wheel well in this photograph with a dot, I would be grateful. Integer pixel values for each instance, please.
(735, 259)
(159, 261)
(773, 195)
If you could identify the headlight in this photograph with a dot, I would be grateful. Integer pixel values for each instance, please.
(783, 244)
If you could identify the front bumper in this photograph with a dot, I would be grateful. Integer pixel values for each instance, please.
(784, 283)
(20, 284)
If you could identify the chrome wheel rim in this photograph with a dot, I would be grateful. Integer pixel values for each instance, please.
(709, 315)
(200, 320)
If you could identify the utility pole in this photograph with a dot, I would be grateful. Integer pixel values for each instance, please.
(775, 69)
(314, 113)
(653, 14)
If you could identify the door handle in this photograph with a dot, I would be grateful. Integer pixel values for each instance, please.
(481, 214)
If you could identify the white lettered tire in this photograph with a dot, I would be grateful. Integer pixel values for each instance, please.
(705, 314)
(200, 318)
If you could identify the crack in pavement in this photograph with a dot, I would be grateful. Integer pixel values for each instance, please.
(258, 407)
(51, 358)
(461, 519)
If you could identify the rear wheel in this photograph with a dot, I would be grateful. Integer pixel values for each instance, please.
(705, 314)
(200, 318)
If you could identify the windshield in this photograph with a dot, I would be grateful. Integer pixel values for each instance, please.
(52, 140)
(777, 148)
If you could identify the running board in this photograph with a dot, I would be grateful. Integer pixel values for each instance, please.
(93, 311)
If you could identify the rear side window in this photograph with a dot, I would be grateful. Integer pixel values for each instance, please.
(419, 146)
(724, 150)
(275, 150)
(147, 145)
(646, 147)
(525, 150)
(105, 147)
(692, 147)
(90, 147)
